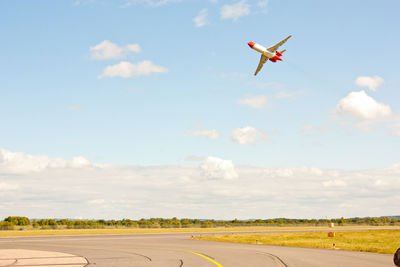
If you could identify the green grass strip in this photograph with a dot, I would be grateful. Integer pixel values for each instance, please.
(379, 241)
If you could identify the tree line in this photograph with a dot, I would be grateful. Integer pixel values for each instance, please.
(13, 222)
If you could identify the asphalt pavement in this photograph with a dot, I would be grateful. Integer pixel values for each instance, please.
(167, 250)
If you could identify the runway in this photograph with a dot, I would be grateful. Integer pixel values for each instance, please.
(178, 250)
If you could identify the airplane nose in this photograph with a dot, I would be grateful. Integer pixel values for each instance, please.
(251, 44)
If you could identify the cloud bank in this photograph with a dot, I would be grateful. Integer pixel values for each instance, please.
(216, 168)
(21, 163)
(38, 186)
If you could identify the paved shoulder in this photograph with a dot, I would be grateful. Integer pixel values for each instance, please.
(33, 258)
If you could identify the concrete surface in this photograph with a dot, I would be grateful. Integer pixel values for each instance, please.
(33, 258)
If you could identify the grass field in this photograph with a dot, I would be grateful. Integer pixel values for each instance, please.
(37, 232)
(380, 241)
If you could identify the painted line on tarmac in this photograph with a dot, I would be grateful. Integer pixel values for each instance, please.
(207, 258)
(198, 254)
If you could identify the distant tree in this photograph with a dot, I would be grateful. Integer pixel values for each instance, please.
(207, 224)
(101, 222)
(17, 220)
(129, 223)
(35, 224)
(186, 223)
(52, 223)
(6, 226)
(144, 223)
(64, 222)
(175, 223)
(258, 221)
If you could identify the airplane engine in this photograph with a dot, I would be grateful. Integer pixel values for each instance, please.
(273, 59)
(276, 57)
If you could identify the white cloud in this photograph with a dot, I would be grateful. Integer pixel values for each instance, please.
(8, 187)
(284, 172)
(315, 171)
(210, 134)
(79, 162)
(379, 182)
(247, 135)
(126, 69)
(262, 3)
(235, 11)
(216, 168)
(153, 3)
(334, 183)
(109, 50)
(257, 102)
(75, 107)
(201, 19)
(96, 201)
(362, 106)
(106, 50)
(133, 48)
(18, 162)
(368, 81)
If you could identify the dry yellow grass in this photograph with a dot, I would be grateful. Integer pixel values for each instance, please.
(380, 241)
(38, 232)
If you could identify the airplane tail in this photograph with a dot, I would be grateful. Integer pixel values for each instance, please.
(279, 54)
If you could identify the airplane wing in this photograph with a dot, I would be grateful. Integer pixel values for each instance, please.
(273, 48)
(263, 59)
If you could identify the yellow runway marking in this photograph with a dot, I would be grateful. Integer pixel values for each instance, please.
(207, 258)
(169, 249)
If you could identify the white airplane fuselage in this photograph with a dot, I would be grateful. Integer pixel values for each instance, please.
(263, 50)
(273, 56)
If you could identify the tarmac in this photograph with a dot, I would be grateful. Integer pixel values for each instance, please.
(165, 250)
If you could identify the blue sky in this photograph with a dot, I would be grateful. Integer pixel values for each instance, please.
(333, 103)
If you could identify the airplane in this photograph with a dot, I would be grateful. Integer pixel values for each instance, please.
(270, 53)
